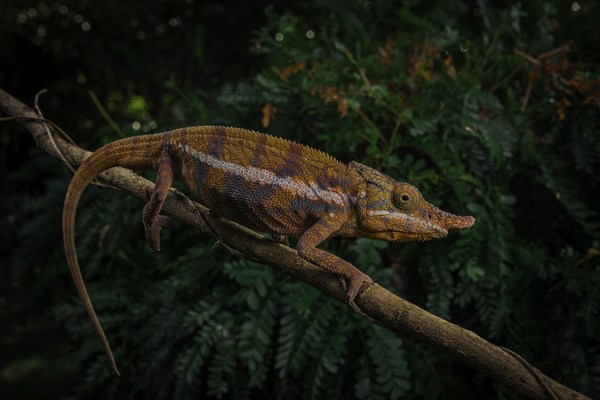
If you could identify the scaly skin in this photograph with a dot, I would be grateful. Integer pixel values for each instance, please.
(267, 184)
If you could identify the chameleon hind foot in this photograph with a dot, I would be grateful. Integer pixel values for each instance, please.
(153, 221)
(153, 231)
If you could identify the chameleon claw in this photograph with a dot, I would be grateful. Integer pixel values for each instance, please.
(358, 310)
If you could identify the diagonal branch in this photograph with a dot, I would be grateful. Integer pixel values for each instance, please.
(377, 303)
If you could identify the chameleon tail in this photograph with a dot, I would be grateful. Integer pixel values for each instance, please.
(136, 153)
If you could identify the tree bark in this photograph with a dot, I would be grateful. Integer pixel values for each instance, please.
(375, 302)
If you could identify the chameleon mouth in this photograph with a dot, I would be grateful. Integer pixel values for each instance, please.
(435, 232)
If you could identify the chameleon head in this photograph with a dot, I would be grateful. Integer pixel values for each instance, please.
(397, 212)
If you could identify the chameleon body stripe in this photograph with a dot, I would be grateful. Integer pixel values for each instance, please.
(311, 191)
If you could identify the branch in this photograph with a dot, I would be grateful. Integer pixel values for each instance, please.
(377, 303)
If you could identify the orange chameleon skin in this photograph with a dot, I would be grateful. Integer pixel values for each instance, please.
(267, 184)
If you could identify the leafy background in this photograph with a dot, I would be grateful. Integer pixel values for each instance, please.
(490, 108)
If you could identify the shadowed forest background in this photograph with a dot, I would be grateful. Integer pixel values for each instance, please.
(490, 108)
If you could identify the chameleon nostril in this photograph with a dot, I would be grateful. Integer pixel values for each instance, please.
(429, 215)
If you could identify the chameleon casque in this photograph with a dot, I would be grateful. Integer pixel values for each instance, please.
(267, 184)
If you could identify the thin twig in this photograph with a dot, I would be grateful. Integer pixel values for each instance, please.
(105, 114)
(527, 96)
(507, 78)
(527, 57)
(66, 138)
(564, 48)
(39, 112)
(490, 48)
(370, 124)
(534, 372)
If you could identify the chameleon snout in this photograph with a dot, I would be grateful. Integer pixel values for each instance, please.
(438, 228)
(449, 221)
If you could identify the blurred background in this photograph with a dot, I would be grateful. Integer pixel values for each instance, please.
(489, 108)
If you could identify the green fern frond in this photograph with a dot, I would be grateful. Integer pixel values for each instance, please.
(255, 343)
(221, 369)
(383, 372)
(328, 355)
(556, 179)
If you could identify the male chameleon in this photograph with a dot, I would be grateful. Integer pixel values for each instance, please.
(267, 184)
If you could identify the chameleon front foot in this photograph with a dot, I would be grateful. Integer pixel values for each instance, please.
(153, 231)
(355, 282)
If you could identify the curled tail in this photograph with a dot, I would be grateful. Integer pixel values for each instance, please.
(138, 152)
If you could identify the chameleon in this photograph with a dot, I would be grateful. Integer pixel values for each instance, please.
(267, 184)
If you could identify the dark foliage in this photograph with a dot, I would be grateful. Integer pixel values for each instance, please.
(434, 95)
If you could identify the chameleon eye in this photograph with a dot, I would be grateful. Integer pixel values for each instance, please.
(405, 196)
